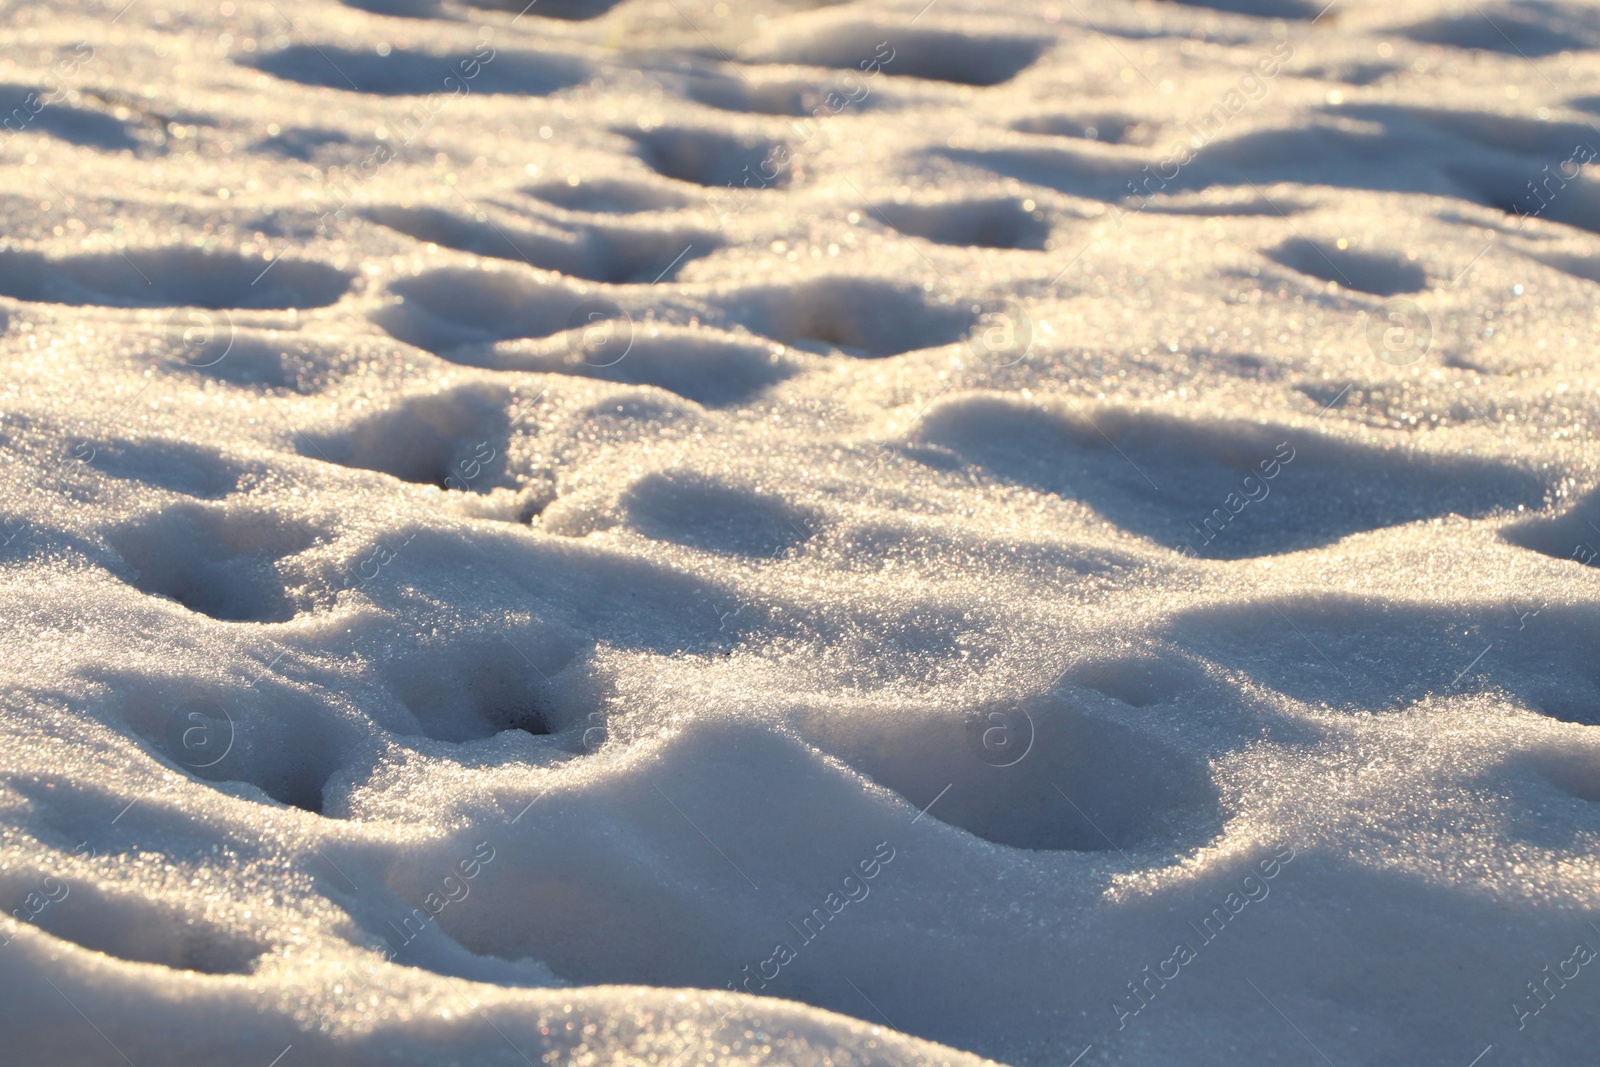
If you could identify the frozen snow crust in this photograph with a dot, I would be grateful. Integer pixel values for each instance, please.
(677, 533)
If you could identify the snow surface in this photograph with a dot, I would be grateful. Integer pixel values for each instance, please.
(672, 532)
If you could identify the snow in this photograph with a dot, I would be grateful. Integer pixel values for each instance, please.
(667, 532)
